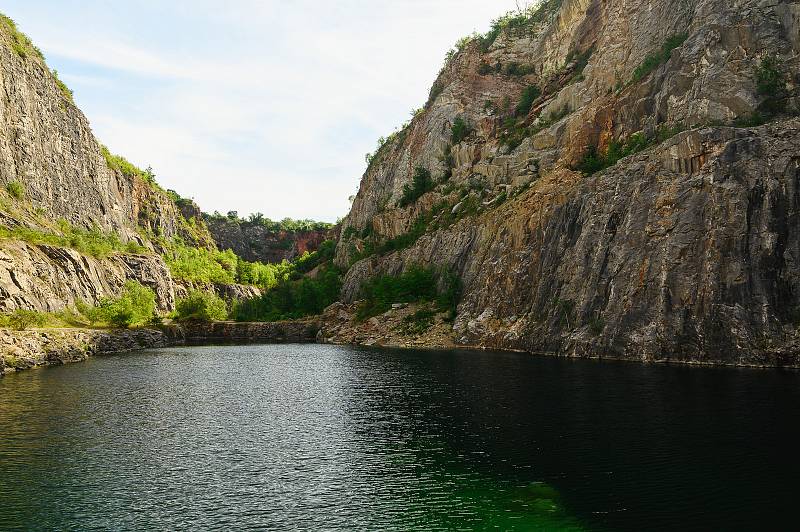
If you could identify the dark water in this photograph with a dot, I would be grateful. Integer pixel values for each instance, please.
(320, 437)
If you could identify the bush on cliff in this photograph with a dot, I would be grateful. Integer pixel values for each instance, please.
(201, 305)
(652, 61)
(421, 183)
(15, 189)
(135, 306)
(415, 284)
(459, 131)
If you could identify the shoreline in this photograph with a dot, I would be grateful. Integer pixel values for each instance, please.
(34, 348)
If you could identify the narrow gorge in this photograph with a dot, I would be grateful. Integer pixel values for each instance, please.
(590, 178)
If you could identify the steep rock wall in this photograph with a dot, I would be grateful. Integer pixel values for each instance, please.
(256, 243)
(686, 251)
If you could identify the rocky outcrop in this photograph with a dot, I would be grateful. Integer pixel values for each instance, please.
(339, 324)
(255, 242)
(685, 252)
(46, 145)
(295, 331)
(50, 279)
(21, 350)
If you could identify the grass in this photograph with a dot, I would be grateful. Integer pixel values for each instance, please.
(15, 189)
(20, 43)
(92, 242)
(66, 91)
(122, 165)
(653, 61)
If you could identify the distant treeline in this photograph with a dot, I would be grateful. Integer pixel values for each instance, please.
(287, 224)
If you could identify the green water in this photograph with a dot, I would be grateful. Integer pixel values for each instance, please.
(333, 438)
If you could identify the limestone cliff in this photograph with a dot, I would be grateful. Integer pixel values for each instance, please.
(687, 249)
(58, 183)
(257, 241)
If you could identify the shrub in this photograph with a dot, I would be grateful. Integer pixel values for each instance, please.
(771, 84)
(22, 319)
(200, 305)
(529, 95)
(652, 61)
(15, 189)
(419, 322)
(415, 284)
(421, 183)
(292, 299)
(515, 69)
(593, 162)
(485, 69)
(459, 131)
(134, 306)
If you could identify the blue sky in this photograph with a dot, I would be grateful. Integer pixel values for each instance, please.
(255, 106)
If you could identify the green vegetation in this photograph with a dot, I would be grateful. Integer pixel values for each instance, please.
(20, 43)
(770, 85)
(292, 299)
(415, 284)
(125, 167)
(22, 319)
(581, 61)
(593, 161)
(418, 322)
(517, 22)
(529, 95)
(15, 189)
(652, 61)
(134, 307)
(66, 91)
(515, 69)
(93, 242)
(459, 131)
(204, 266)
(201, 305)
(421, 183)
(287, 225)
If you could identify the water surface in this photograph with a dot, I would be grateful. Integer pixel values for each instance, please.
(335, 438)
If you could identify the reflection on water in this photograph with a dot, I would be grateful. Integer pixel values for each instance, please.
(341, 438)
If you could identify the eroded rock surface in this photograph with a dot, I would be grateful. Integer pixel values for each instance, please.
(687, 251)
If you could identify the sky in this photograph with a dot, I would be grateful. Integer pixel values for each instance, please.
(254, 106)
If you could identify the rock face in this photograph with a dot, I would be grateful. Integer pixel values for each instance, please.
(48, 278)
(255, 242)
(20, 350)
(46, 144)
(687, 251)
(48, 151)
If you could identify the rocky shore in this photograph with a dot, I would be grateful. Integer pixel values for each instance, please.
(20, 350)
